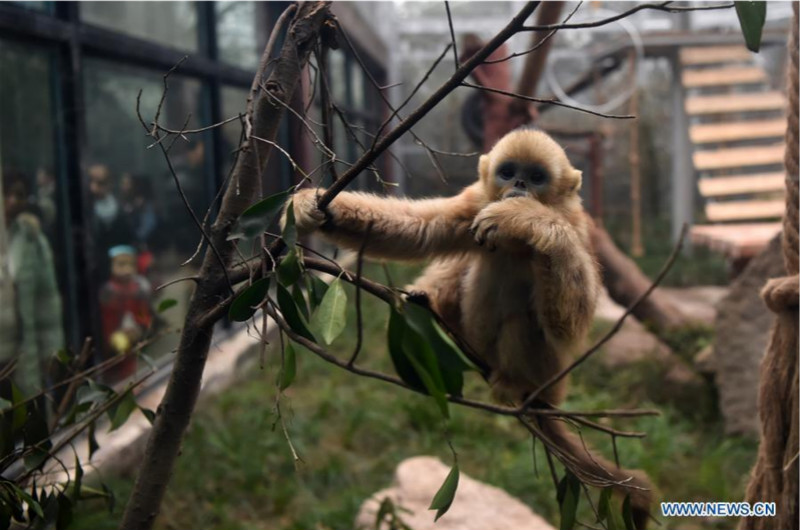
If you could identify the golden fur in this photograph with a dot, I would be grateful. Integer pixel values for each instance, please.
(514, 277)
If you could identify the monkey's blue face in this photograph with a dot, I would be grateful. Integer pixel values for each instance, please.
(517, 179)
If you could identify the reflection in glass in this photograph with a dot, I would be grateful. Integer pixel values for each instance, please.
(237, 23)
(169, 23)
(31, 326)
(141, 230)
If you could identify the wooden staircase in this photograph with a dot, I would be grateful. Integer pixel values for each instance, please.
(736, 128)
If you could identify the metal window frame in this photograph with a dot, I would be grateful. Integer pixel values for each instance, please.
(72, 40)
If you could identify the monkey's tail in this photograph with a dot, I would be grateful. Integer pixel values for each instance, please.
(593, 469)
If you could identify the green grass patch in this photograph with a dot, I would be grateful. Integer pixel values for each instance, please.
(236, 469)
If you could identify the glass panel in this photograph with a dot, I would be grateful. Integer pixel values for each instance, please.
(169, 23)
(357, 80)
(234, 102)
(47, 7)
(31, 325)
(337, 76)
(141, 230)
(237, 23)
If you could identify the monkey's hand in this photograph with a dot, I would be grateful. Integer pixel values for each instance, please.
(497, 225)
(307, 216)
(521, 222)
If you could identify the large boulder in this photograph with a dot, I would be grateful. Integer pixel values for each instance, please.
(476, 505)
(742, 330)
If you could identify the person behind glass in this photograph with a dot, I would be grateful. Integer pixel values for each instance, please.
(30, 312)
(138, 206)
(126, 313)
(109, 226)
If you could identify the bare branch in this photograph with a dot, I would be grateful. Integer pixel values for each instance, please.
(663, 6)
(547, 101)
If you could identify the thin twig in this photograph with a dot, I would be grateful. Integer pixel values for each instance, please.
(538, 44)
(359, 321)
(452, 33)
(664, 6)
(548, 102)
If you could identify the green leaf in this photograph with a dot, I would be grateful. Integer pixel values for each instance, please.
(64, 517)
(149, 414)
(386, 508)
(402, 365)
(257, 218)
(569, 493)
(300, 300)
(330, 318)
(166, 304)
(93, 445)
(604, 504)
(64, 356)
(450, 361)
(122, 410)
(627, 513)
(316, 290)
(244, 306)
(289, 233)
(32, 504)
(447, 492)
(289, 367)
(751, 18)
(78, 481)
(291, 314)
(289, 269)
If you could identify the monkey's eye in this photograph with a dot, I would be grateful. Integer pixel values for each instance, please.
(507, 171)
(538, 176)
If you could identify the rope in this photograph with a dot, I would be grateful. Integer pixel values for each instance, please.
(790, 221)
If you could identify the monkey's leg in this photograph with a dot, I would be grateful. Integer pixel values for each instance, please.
(441, 285)
(565, 273)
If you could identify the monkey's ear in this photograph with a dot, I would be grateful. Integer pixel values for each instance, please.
(483, 167)
(574, 180)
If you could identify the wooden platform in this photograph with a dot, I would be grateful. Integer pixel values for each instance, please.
(755, 183)
(736, 241)
(749, 210)
(739, 157)
(702, 55)
(736, 131)
(735, 75)
(743, 102)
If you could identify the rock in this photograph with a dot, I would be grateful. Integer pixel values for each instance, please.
(742, 330)
(476, 505)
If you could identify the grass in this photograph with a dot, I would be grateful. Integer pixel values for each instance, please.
(236, 469)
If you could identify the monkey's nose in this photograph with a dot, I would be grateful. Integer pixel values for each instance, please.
(519, 184)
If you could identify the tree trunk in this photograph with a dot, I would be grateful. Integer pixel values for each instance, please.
(175, 410)
(626, 282)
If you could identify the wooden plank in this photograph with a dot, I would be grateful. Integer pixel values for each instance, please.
(714, 54)
(731, 75)
(745, 102)
(735, 240)
(735, 157)
(745, 210)
(742, 184)
(706, 133)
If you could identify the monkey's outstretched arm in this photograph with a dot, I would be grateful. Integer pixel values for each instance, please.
(399, 229)
(567, 275)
